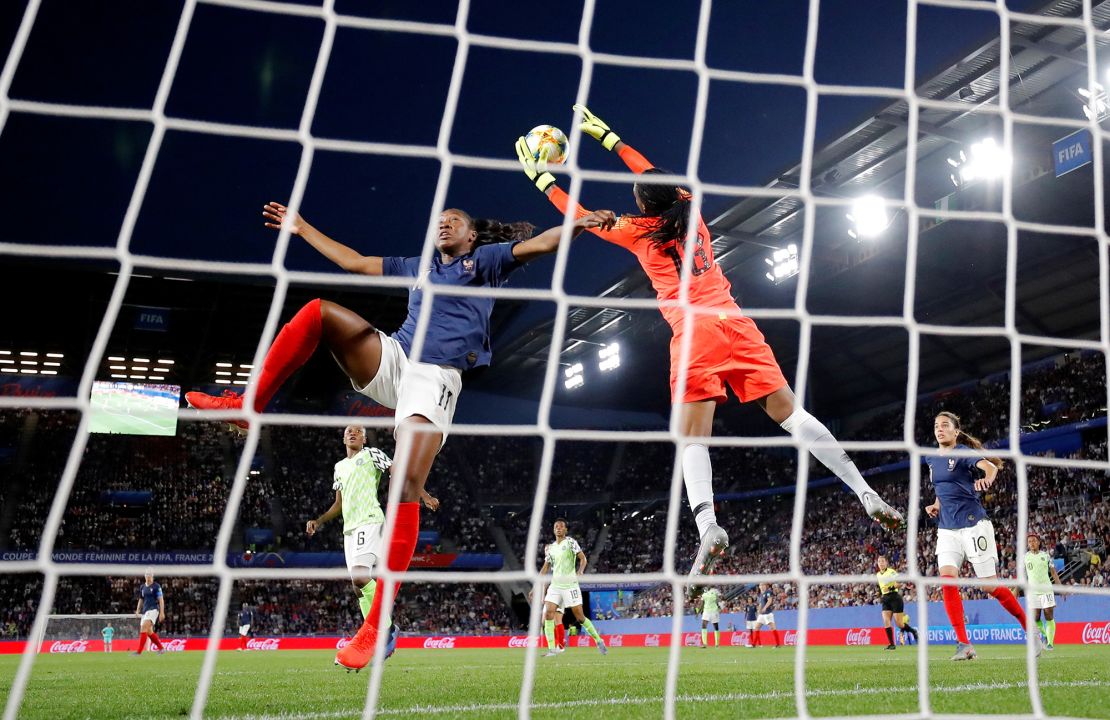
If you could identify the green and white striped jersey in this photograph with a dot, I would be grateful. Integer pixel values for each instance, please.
(358, 478)
(563, 559)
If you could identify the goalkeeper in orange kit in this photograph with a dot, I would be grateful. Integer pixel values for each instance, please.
(725, 347)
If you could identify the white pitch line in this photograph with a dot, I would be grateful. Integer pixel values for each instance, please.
(422, 710)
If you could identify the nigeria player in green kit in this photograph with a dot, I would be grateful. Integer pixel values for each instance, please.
(710, 604)
(356, 482)
(566, 561)
(1039, 568)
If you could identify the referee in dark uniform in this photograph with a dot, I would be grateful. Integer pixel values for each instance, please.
(893, 606)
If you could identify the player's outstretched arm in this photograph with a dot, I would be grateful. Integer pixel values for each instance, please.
(432, 503)
(599, 130)
(548, 241)
(347, 258)
(990, 472)
(336, 507)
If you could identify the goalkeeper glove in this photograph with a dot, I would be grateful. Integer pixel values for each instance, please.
(536, 172)
(596, 128)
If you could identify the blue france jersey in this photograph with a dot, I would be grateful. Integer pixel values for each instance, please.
(750, 612)
(246, 617)
(458, 329)
(150, 594)
(954, 481)
(766, 600)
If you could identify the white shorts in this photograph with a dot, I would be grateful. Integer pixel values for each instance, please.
(713, 617)
(1040, 601)
(244, 629)
(363, 545)
(975, 544)
(749, 624)
(151, 615)
(765, 619)
(413, 388)
(565, 598)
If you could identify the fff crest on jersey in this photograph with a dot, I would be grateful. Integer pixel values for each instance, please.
(951, 464)
(468, 265)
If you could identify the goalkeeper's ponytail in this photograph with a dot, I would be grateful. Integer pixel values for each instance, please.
(667, 207)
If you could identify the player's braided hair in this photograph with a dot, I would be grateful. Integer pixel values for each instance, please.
(969, 440)
(666, 208)
(495, 231)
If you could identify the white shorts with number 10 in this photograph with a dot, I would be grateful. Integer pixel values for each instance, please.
(363, 545)
(565, 597)
(414, 388)
(975, 544)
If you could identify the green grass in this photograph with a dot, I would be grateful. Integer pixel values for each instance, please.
(113, 413)
(479, 684)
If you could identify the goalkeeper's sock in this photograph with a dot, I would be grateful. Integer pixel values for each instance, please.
(704, 636)
(777, 640)
(157, 641)
(1051, 634)
(717, 638)
(1008, 601)
(954, 607)
(549, 633)
(589, 625)
(811, 430)
(889, 635)
(401, 546)
(292, 347)
(697, 472)
(560, 634)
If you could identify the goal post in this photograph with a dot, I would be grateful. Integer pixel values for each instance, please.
(80, 629)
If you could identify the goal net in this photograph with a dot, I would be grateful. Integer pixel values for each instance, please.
(815, 191)
(75, 633)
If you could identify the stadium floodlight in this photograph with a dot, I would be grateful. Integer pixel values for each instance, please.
(246, 366)
(240, 382)
(985, 160)
(784, 263)
(140, 360)
(165, 362)
(221, 381)
(116, 358)
(9, 370)
(138, 377)
(5, 352)
(223, 364)
(120, 377)
(574, 377)
(52, 364)
(156, 377)
(869, 217)
(223, 372)
(28, 362)
(28, 353)
(1096, 104)
(48, 372)
(28, 371)
(610, 356)
(5, 360)
(117, 367)
(55, 355)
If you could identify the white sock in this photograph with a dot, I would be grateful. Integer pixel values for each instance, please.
(810, 430)
(697, 472)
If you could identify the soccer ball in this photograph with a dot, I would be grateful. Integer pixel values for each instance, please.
(547, 143)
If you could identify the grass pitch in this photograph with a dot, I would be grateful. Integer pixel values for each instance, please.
(628, 683)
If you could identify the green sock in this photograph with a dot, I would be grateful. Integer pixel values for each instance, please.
(1040, 626)
(549, 632)
(704, 636)
(366, 598)
(717, 637)
(592, 631)
(1051, 634)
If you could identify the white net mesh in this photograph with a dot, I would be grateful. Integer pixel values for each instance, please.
(674, 570)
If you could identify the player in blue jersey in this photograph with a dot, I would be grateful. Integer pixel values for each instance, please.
(766, 613)
(751, 612)
(422, 390)
(246, 619)
(151, 609)
(965, 531)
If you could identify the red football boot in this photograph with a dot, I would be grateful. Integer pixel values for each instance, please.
(358, 653)
(228, 401)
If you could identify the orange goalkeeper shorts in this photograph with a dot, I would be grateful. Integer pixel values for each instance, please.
(724, 350)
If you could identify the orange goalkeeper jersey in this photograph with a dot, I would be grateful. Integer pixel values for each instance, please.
(708, 287)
